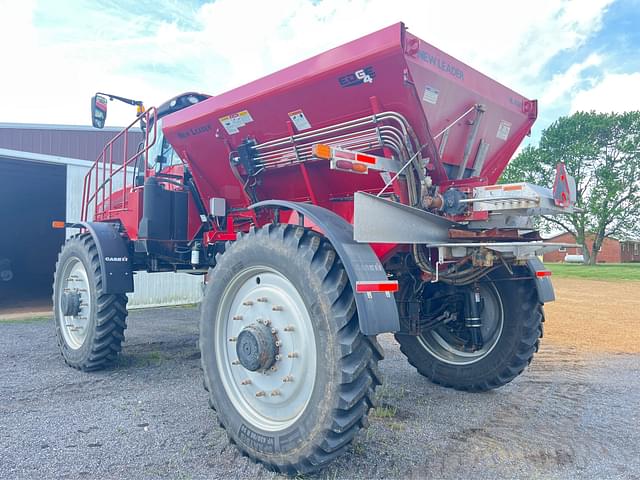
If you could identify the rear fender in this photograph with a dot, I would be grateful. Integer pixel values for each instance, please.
(113, 251)
(543, 284)
(377, 313)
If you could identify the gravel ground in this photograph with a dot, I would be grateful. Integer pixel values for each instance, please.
(567, 416)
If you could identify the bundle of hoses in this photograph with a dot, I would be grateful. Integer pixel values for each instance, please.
(452, 275)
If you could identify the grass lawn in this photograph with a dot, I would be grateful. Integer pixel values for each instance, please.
(605, 271)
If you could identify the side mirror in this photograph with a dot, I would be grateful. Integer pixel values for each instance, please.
(98, 111)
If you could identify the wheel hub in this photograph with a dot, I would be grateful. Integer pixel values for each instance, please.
(70, 303)
(74, 302)
(256, 347)
(265, 348)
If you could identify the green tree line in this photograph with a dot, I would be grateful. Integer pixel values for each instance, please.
(602, 152)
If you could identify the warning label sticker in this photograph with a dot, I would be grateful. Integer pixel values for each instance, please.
(503, 130)
(299, 120)
(232, 123)
(430, 95)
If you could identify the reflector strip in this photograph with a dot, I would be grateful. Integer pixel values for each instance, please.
(361, 157)
(372, 286)
(543, 273)
(57, 224)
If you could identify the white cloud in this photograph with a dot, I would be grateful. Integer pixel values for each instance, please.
(565, 84)
(55, 68)
(615, 93)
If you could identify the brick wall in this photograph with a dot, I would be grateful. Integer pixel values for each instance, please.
(609, 251)
(630, 251)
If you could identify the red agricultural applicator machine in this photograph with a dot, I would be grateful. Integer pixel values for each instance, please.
(348, 195)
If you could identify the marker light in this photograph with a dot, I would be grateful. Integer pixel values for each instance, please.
(322, 150)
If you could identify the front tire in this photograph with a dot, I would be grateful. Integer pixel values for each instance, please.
(512, 324)
(287, 370)
(89, 323)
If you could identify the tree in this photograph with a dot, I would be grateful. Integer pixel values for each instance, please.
(602, 152)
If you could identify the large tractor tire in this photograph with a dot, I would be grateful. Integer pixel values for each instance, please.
(512, 320)
(89, 324)
(286, 367)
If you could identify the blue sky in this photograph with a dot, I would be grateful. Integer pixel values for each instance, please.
(569, 55)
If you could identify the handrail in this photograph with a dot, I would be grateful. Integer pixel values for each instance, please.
(92, 178)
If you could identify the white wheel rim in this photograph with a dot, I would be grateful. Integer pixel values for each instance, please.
(493, 323)
(75, 280)
(273, 399)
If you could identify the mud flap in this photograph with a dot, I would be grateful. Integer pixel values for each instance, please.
(377, 313)
(115, 261)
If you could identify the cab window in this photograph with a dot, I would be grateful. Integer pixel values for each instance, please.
(164, 156)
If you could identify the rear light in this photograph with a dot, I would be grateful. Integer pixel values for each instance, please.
(343, 164)
(344, 154)
(353, 161)
(348, 166)
(361, 157)
(322, 150)
(543, 273)
(379, 286)
(358, 167)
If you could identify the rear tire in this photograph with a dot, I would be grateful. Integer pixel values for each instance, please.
(301, 423)
(516, 343)
(91, 334)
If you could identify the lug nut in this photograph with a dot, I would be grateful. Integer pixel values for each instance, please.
(288, 328)
(277, 308)
(245, 382)
(247, 303)
(261, 393)
(275, 393)
(233, 339)
(263, 299)
(237, 317)
(292, 355)
(288, 378)
(274, 331)
(273, 368)
(278, 343)
(278, 357)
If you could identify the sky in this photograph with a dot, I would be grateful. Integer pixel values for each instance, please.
(55, 54)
